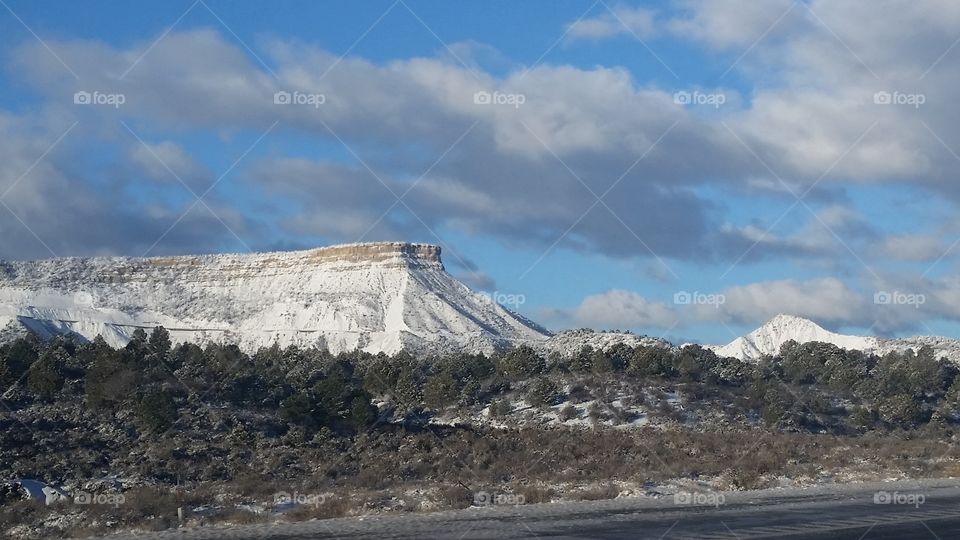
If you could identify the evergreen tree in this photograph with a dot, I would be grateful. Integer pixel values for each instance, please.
(45, 376)
(157, 411)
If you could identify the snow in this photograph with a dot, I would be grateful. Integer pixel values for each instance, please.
(42, 492)
(376, 297)
(570, 342)
(768, 338)
(380, 297)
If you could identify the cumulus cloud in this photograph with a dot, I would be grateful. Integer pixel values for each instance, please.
(55, 207)
(734, 23)
(622, 309)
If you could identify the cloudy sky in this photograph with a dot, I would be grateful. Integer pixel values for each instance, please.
(684, 168)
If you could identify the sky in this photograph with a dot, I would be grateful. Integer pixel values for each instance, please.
(684, 169)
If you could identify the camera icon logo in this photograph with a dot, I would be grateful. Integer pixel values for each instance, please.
(882, 298)
(882, 98)
(482, 98)
(682, 298)
(82, 98)
(882, 497)
(481, 498)
(282, 98)
(682, 98)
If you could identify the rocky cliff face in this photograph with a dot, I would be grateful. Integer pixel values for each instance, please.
(378, 297)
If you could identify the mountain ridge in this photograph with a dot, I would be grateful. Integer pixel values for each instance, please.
(767, 339)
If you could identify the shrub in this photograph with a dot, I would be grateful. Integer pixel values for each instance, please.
(543, 392)
(568, 412)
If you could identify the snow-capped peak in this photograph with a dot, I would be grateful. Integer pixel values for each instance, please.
(768, 338)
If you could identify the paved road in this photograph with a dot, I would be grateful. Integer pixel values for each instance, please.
(821, 513)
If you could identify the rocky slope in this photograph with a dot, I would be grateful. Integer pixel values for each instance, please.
(380, 297)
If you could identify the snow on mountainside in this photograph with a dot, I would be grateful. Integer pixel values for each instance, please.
(768, 338)
(569, 342)
(378, 297)
(782, 328)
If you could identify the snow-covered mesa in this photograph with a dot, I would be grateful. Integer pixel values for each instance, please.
(767, 340)
(376, 297)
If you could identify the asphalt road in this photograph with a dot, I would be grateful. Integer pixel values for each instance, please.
(926, 510)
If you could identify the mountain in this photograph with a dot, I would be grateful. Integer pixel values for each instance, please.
(768, 338)
(782, 328)
(378, 297)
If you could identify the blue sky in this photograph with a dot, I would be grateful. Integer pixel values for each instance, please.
(754, 158)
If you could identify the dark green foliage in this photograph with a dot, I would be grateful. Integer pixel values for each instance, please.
(362, 413)
(159, 342)
(440, 390)
(521, 363)
(652, 362)
(302, 410)
(15, 359)
(45, 376)
(543, 392)
(803, 387)
(157, 411)
(774, 407)
(900, 410)
(864, 418)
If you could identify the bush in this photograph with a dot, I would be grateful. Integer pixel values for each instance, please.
(568, 412)
(543, 392)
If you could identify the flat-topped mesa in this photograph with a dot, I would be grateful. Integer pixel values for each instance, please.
(380, 252)
(376, 297)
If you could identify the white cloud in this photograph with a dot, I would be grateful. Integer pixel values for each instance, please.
(734, 23)
(912, 247)
(618, 21)
(622, 309)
